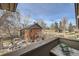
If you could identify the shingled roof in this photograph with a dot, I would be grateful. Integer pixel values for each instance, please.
(35, 25)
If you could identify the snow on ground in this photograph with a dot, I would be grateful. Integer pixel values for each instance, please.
(58, 51)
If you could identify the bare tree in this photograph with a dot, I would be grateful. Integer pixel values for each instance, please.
(56, 27)
(41, 23)
(8, 22)
(26, 21)
(70, 27)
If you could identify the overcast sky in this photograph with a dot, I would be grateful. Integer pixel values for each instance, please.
(48, 11)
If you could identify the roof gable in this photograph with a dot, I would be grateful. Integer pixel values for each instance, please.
(35, 25)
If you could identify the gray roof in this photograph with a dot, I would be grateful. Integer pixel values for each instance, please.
(35, 25)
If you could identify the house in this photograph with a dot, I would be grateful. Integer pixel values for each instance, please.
(32, 32)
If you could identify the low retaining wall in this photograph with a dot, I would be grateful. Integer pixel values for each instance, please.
(42, 50)
(37, 49)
